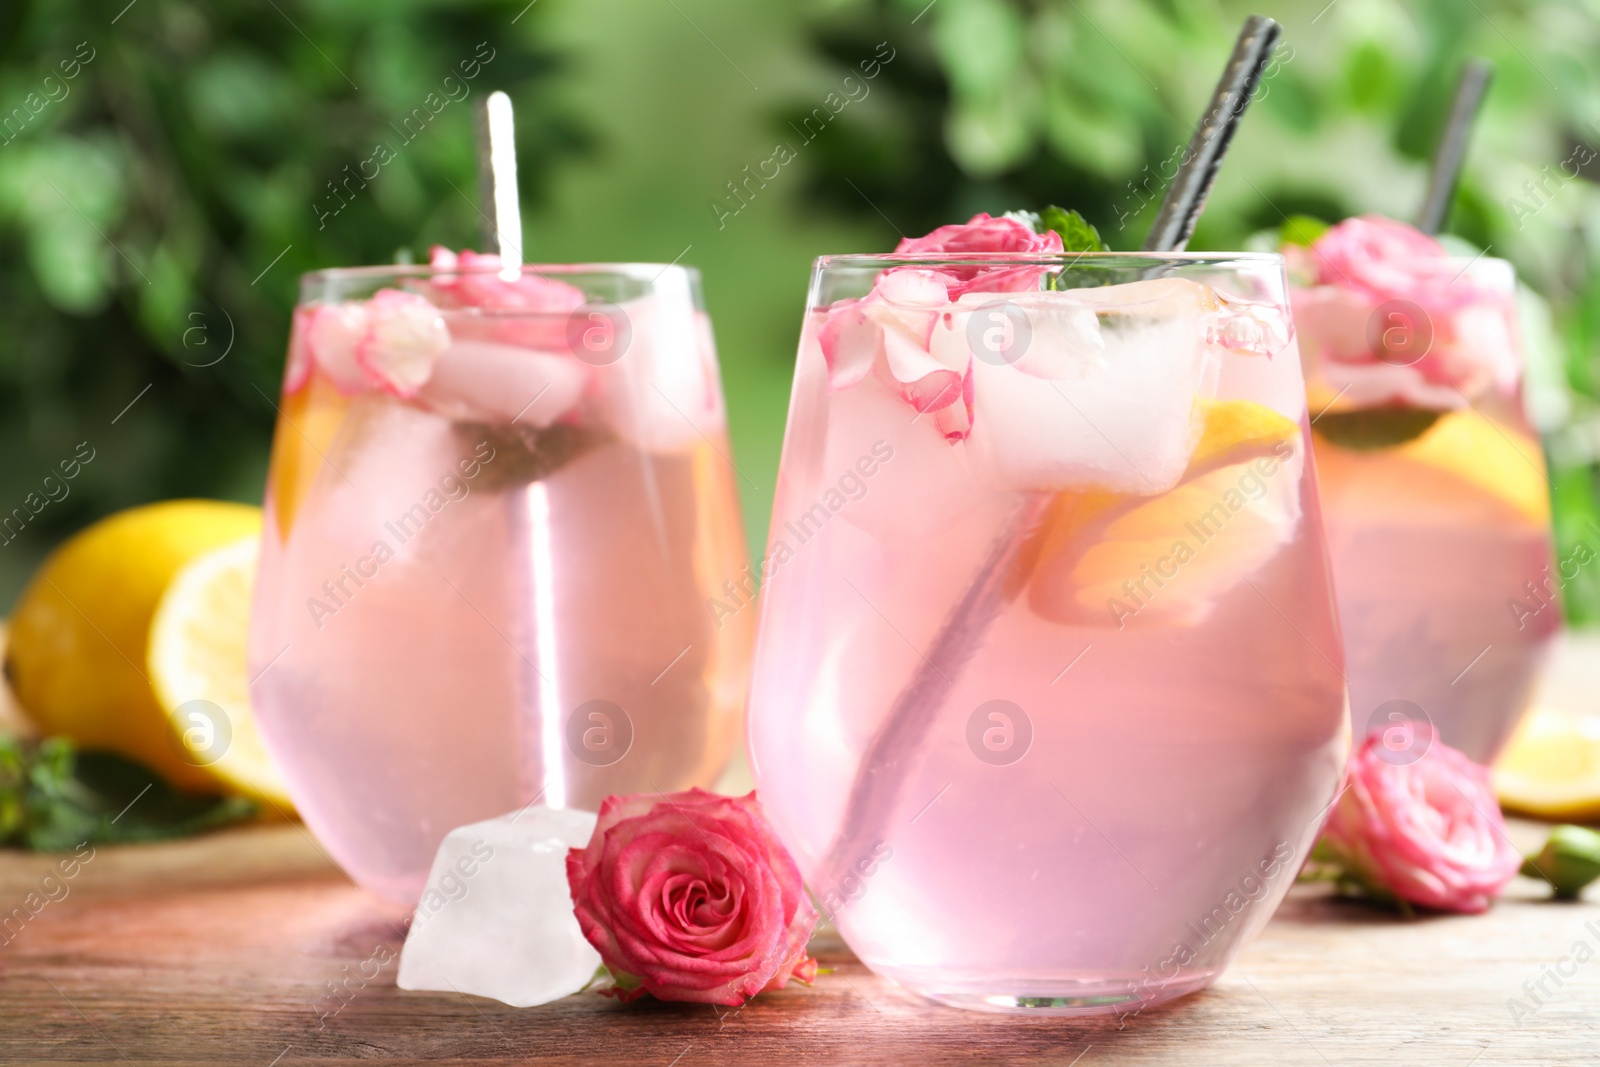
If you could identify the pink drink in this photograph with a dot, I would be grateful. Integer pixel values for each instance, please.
(1048, 698)
(1433, 486)
(494, 589)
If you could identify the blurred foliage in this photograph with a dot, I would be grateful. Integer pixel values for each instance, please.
(165, 175)
(142, 211)
(1004, 104)
(54, 797)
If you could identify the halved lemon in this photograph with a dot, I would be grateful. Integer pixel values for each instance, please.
(197, 664)
(1551, 768)
(79, 637)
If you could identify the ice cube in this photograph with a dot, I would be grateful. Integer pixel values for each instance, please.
(920, 481)
(1112, 416)
(1047, 335)
(497, 919)
(481, 381)
(661, 391)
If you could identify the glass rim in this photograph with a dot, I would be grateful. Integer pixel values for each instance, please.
(1448, 260)
(650, 272)
(1480, 270)
(1052, 259)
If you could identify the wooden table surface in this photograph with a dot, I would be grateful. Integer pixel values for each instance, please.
(223, 950)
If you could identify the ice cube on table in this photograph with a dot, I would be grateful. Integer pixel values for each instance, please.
(497, 919)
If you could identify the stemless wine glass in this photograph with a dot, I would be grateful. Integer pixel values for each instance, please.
(1047, 699)
(498, 508)
(1434, 489)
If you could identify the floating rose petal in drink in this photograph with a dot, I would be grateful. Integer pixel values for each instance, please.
(298, 367)
(334, 332)
(405, 336)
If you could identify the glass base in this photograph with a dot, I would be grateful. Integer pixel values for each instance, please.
(1104, 996)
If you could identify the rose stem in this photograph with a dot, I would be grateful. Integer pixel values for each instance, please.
(877, 786)
(497, 182)
(1452, 150)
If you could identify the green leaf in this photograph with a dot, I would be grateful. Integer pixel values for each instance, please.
(1373, 428)
(1301, 230)
(53, 798)
(1076, 233)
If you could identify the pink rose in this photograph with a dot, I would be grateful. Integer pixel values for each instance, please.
(984, 235)
(690, 896)
(891, 331)
(1428, 831)
(1374, 255)
(1448, 336)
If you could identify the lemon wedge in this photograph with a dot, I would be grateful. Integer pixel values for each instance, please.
(1551, 768)
(197, 666)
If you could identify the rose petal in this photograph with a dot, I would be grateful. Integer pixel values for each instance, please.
(332, 337)
(297, 369)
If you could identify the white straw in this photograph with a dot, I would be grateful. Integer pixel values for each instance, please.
(499, 159)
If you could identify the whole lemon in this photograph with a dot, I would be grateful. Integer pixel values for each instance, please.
(78, 649)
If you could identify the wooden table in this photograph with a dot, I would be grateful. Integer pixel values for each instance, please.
(223, 950)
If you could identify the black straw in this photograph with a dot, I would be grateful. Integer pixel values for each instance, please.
(1452, 150)
(1186, 196)
(903, 734)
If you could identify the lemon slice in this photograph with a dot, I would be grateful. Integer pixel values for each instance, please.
(308, 421)
(1551, 768)
(1105, 559)
(1490, 455)
(197, 663)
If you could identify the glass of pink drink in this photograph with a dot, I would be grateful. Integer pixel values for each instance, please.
(1433, 481)
(498, 504)
(1047, 700)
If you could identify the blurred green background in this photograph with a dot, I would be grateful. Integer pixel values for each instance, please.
(167, 169)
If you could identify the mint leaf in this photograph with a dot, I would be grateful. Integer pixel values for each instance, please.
(53, 798)
(1369, 429)
(1301, 230)
(1076, 233)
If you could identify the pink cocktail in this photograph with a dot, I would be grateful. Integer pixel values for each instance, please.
(1433, 482)
(498, 507)
(1048, 697)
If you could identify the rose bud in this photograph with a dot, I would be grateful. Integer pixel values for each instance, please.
(1428, 831)
(1569, 860)
(690, 896)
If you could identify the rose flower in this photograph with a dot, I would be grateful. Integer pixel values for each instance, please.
(690, 896)
(1427, 831)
